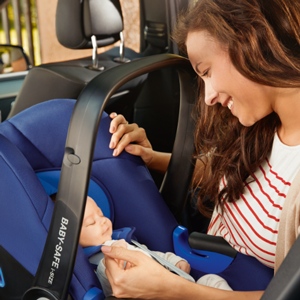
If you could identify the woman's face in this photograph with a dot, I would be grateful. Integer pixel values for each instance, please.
(247, 100)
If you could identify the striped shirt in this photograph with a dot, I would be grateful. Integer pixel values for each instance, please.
(250, 225)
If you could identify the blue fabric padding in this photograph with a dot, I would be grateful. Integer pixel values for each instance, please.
(49, 188)
(50, 180)
(40, 133)
(204, 261)
(245, 273)
(25, 215)
(90, 251)
(94, 294)
(125, 233)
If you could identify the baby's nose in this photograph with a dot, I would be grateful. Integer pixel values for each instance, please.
(102, 220)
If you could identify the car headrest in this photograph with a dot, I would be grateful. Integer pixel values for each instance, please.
(77, 21)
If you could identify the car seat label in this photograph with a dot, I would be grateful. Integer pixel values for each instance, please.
(58, 248)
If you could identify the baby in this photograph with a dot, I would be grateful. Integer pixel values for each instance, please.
(97, 230)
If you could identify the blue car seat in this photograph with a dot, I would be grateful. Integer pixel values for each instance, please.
(39, 135)
(33, 144)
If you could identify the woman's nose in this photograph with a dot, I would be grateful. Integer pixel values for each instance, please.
(211, 96)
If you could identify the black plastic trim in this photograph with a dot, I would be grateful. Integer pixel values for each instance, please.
(205, 242)
(176, 183)
(16, 278)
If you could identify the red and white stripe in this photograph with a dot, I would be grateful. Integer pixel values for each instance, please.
(251, 223)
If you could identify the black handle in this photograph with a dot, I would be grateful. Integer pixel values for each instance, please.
(206, 242)
(57, 263)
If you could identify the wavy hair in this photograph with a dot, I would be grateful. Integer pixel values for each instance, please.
(263, 41)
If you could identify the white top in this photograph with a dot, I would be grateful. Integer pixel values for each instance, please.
(251, 223)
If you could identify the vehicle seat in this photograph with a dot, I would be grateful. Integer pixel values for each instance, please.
(77, 24)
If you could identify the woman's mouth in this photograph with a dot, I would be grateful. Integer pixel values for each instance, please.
(230, 103)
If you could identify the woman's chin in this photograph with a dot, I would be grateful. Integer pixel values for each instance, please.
(246, 122)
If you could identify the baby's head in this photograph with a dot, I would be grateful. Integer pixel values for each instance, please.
(96, 229)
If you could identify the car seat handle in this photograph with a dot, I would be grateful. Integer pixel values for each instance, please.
(57, 263)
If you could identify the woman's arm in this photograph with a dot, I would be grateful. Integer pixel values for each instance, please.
(133, 139)
(149, 280)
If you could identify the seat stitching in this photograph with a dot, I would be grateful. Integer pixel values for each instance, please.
(30, 143)
(18, 177)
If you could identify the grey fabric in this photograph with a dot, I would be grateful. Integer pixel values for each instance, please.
(102, 18)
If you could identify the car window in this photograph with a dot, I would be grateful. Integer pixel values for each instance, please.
(12, 59)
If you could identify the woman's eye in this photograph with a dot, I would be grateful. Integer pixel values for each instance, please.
(204, 74)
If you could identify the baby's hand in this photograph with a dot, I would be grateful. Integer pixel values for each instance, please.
(184, 266)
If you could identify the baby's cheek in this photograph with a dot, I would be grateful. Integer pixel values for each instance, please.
(83, 239)
(90, 237)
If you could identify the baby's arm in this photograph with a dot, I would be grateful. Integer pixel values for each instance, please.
(175, 260)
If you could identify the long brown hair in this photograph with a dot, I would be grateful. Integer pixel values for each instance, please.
(263, 40)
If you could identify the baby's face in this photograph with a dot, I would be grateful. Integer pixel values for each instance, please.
(96, 229)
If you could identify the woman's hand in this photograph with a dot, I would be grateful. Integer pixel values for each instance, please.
(146, 278)
(124, 134)
(121, 244)
(184, 266)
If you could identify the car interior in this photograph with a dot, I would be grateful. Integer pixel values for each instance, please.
(139, 101)
(58, 138)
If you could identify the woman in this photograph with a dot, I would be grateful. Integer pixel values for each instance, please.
(247, 56)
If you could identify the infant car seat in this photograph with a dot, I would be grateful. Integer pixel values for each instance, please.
(27, 222)
(33, 142)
